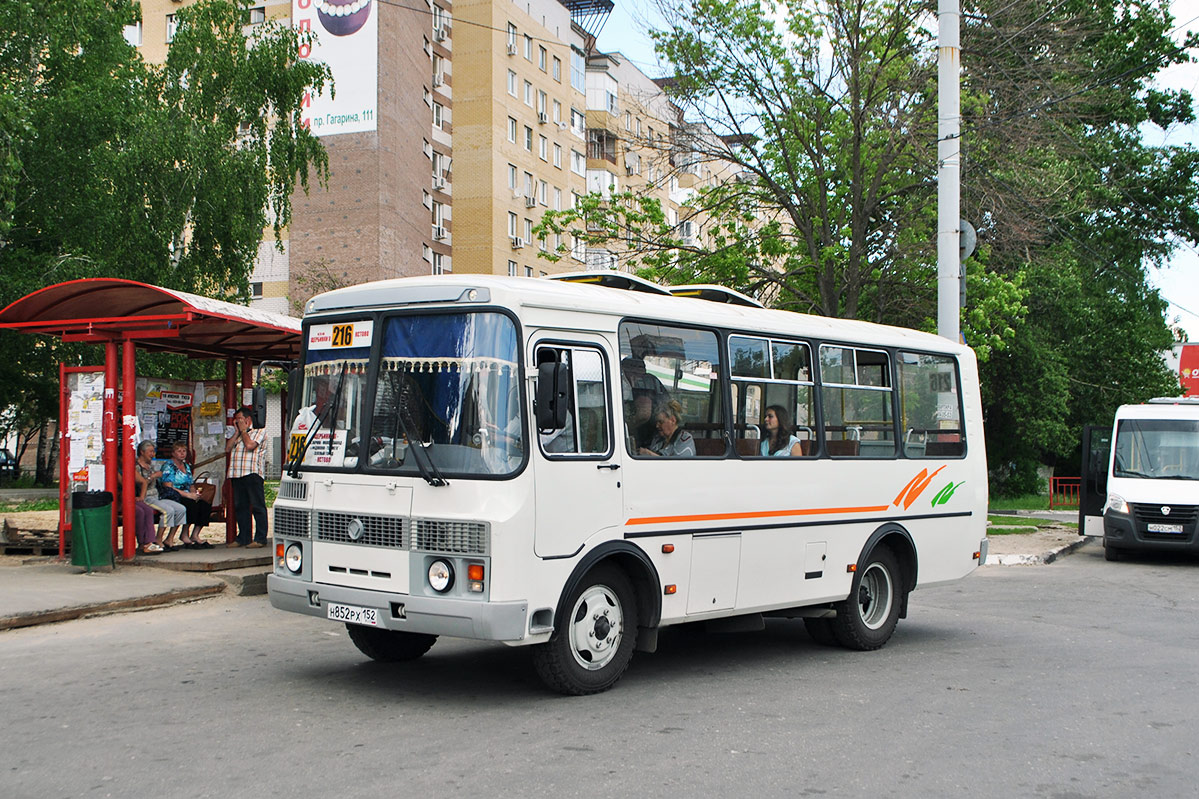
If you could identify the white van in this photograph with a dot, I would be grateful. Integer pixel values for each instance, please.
(1151, 497)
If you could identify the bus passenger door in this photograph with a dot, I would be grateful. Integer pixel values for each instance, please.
(577, 465)
(1092, 491)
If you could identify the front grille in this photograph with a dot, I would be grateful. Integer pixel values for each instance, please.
(1146, 514)
(437, 535)
(293, 489)
(377, 531)
(292, 522)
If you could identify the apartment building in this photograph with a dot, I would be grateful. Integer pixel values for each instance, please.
(520, 130)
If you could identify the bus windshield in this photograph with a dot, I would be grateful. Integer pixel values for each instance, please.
(1163, 449)
(450, 384)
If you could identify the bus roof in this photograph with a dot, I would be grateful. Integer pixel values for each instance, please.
(566, 296)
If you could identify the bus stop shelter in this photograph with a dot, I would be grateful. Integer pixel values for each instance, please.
(124, 316)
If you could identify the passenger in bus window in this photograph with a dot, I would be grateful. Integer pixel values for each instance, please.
(780, 441)
(641, 424)
(672, 441)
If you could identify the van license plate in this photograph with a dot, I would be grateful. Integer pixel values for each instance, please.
(1164, 528)
(352, 614)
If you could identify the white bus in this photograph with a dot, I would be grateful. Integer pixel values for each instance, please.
(575, 466)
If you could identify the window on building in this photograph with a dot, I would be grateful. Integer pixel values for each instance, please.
(512, 222)
(256, 15)
(511, 37)
(528, 184)
(528, 47)
(528, 94)
(512, 83)
(557, 117)
(578, 122)
(543, 192)
(438, 112)
(172, 26)
(628, 120)
(528, 230)
(557, 71)
(557, 199)
(543, 148)
(256, 291)
(512, 269)
(558, 155)
(438, 264)
(512, 130)
(528, 271)
(512, 177)
(578, 164)
(133, 34)
(528, 138)
(542, 102)
(541, 58)
(578, 69)
(438, 213)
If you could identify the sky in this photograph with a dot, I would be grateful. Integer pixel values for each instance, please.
(1177, 282)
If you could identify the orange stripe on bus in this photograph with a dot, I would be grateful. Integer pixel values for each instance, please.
(760, 514)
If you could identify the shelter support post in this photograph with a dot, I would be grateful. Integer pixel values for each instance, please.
(64, 448)
(128, 434)
(226, 485)
(109, 432)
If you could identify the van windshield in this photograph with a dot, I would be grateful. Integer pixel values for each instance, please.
(1160, 449)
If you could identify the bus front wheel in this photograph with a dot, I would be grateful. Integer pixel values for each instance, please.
(389, 646)
(867, 617)
(593, 642)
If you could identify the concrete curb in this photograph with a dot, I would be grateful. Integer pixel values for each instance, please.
(1040, 559)
(66, 614)
(244, 582)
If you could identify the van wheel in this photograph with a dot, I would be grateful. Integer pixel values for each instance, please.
(1111, 553)
(593, 643)
(867, 617)
(389, 646)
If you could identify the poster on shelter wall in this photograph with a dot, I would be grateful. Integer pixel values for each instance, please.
(1188, 370)
(347, 39)
(183, 411)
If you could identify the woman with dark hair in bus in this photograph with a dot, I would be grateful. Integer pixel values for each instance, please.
(780, 441)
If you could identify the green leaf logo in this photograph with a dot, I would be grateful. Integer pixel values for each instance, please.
(945, 494)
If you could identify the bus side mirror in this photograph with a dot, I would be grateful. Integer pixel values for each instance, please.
(258, 406)
(553, 395)
(295, 382)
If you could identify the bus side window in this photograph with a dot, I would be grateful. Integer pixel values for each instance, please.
(586, 430)
(774, 408)
(929, 406)
(855, 394)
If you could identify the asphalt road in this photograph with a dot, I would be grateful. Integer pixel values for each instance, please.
(1075, 679)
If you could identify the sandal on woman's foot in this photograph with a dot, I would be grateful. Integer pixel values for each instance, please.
(151, 549)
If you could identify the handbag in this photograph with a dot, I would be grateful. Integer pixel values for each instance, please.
(206, 489)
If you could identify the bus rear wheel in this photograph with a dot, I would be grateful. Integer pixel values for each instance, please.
(389, 646)
(593, 642)
(867, 617)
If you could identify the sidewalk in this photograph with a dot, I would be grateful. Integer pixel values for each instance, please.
(43, 590)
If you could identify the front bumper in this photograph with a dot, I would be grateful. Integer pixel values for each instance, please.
(1125, 531)
(488, 621)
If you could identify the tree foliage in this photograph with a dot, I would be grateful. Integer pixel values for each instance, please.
(165, 173)
(826, 113)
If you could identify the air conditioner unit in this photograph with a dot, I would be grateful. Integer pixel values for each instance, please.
(439, 183)
(438, 80)
(517, 242)
(530, 202)
(440, 233)
(511, 48)
(543, 117)
(562, 125)
(440, 34)
(628, 170)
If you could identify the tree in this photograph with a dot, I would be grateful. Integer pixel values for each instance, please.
(166, 173)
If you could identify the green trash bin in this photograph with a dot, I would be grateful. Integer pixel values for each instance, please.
(91, 529)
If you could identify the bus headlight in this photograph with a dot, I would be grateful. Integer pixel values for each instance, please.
(294, 558)
(441, 576)
(1116, 504)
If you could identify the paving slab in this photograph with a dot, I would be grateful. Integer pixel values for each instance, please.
(49, 592)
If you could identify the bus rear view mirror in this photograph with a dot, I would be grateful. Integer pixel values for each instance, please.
(553, 395)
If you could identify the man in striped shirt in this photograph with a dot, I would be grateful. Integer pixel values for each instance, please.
(246, 448)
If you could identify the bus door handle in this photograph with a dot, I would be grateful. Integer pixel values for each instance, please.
(612, 466)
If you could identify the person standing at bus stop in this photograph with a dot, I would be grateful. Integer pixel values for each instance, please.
(246, 447)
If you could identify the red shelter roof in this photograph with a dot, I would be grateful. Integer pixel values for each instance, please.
(96, 310)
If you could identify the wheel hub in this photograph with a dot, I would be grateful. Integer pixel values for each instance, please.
(596, 628)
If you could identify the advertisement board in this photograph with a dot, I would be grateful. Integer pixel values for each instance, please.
(347, 39)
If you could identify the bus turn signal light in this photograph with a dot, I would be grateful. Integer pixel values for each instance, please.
(474, 571)
(851, 568)
(667, 549)
(672, 588)
(279, 551)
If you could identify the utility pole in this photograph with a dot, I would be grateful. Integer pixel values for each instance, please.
(949, 167)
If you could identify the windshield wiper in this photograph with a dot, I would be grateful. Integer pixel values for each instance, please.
(424, 462)
(293, 470)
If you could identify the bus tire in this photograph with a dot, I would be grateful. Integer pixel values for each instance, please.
(593, 641)
(821, 631)
(867, 617)
(389, 646)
